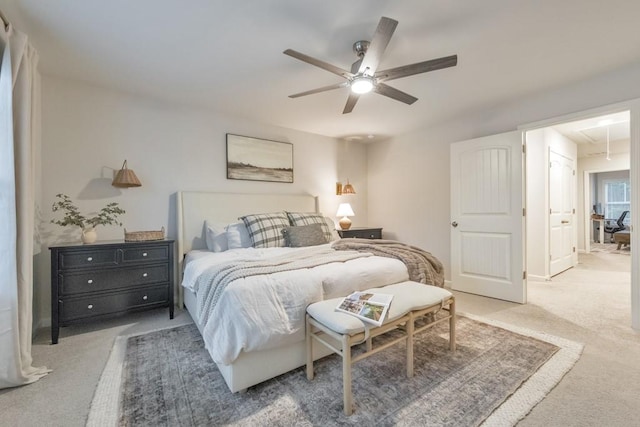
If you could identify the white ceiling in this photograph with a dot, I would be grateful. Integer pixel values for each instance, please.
(227, 55)
(599, 136)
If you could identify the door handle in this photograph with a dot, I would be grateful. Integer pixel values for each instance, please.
(454, 224)
(564, 221)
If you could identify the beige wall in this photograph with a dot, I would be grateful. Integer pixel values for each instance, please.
(409, 174)
(88, 132)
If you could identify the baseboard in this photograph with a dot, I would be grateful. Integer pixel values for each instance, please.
(447, 284)
(535, 278)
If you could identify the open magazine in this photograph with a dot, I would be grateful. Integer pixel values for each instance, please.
(367, 306)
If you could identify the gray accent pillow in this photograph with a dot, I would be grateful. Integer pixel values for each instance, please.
(304, 235)
(307, 218)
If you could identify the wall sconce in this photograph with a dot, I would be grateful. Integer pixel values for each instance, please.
(345, 211)
(126, 178)
(346, 189)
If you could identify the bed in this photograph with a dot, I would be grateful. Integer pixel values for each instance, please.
(244, 358)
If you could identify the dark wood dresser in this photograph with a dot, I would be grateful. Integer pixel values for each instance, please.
(361, 233)
(103, 279)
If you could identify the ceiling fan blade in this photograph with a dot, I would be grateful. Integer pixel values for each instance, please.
(379, 43)
(394, 93)
(420, 67)
(318, 63)
(320, 89)
(351, 102)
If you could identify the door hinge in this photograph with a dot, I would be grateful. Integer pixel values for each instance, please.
(574, 172)
(524, 275)
(574, 249)
(574, 211)
(524, 211)
(550, 257)
(524, 149)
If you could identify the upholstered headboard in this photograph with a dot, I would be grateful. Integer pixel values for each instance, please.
(194, 207)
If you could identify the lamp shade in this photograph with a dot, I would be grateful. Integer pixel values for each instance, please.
(345, 210)
(348, 189)
(126, 178)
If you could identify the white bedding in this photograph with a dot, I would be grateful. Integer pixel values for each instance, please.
(267, 311)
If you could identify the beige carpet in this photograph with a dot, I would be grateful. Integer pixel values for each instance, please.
(588, 304)
(611, 248)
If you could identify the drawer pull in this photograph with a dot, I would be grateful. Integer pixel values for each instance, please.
(90, 281)
(144, 254)
(144, 274)
(145, 297)
(90, 306)
(90, 259)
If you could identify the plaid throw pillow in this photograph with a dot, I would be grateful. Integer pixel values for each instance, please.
(265, 230)
(308, 218)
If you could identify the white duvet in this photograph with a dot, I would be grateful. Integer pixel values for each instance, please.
(267, 311)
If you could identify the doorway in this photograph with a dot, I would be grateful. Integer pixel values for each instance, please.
(601, 150)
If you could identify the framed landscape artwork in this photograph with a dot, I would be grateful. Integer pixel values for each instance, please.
(256, 159)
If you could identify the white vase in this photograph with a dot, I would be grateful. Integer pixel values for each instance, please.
(89, 235)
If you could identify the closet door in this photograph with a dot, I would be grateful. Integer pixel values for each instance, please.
(561, 213)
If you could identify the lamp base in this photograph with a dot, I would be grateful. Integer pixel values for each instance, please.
(345, 223)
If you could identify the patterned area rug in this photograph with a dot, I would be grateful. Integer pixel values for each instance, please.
(497, 375)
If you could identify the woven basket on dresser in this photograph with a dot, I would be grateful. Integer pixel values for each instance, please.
(141, 236)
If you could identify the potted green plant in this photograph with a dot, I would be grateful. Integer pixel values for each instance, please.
(108, 215)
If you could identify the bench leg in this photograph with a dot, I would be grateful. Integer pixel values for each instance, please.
(346, 374)
(410, 331)
(309, 345)
(452, 325)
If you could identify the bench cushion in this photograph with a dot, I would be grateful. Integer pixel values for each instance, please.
(407, 296)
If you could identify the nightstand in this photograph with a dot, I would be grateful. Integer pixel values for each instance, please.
(103, 279)
(361, 233)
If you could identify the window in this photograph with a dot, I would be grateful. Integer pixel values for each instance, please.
(617, 199)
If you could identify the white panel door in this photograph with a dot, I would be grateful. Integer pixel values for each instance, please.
(561, 213)
(487, 219)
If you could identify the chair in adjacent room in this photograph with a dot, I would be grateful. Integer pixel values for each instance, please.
(613, 225)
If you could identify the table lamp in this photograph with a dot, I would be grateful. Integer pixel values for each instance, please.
(345, 211)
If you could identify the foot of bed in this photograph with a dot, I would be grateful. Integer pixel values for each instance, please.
(243, 391)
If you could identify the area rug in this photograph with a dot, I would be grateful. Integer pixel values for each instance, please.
(496, 376)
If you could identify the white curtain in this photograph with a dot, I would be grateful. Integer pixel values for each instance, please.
(19, 154)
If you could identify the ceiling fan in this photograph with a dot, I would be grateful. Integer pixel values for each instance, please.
(364, 76)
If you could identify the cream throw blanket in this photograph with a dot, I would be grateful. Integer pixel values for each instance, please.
(421, 265)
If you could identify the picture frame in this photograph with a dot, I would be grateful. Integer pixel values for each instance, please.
(256, 159)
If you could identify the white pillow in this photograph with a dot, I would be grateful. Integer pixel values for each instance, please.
(216, 236)
(238, 236)
(332, 227)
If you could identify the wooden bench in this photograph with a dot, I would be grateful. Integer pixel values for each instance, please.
(622, 237)
(340, 331)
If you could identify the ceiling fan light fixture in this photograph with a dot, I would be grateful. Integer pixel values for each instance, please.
(362, 85)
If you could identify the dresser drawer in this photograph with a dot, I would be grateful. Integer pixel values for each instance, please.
(106, 279)
(145, 254)
(69, 260)
(90, 306)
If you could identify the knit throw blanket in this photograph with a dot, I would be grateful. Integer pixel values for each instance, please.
(421, 265)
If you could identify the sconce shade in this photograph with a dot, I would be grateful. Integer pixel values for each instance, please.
(345, 211)
(348, 189)
(126, 178)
